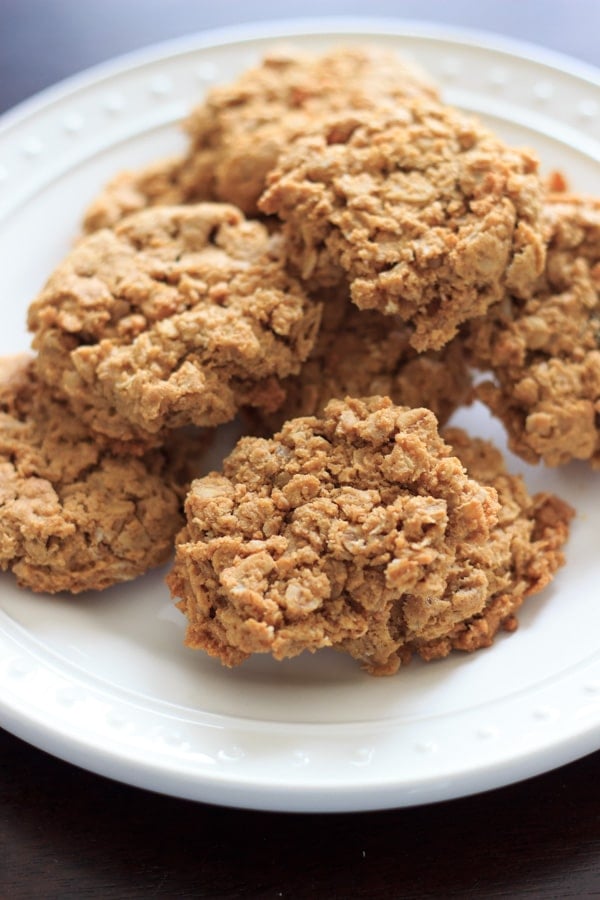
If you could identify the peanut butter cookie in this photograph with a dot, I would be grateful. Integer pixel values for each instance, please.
(75, 516)
(544, 352)
(180, 315)
(359, 530)
(237, 133)
(423, 211)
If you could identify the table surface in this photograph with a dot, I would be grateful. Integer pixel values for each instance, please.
(68, 833)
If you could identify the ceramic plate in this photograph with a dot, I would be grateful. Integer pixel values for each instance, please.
(104, 680)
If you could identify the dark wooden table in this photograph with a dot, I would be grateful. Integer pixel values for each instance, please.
(68, 833)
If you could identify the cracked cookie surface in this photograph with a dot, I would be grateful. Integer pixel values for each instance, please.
(544, 352)
(157, 184)
(237, 133)
(75, 517)
(179, 316)
(361, 530)
(522, 554)
(422, 210)
(362, 353)
(240, 130)
(358, 530)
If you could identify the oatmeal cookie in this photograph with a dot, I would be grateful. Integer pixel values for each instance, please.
(362, 353)
(237, 133)
(544, 352)
(76, 517)
(361, 530)
(423, 211)
(357, 530)
(157, 184)
(180, 315)
(521, 556)
(240, 130)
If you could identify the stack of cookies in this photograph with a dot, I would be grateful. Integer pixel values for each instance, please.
(330, 261)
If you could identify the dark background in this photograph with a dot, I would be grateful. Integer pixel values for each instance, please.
(65, 833)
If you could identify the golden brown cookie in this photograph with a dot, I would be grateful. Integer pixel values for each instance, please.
(157, 184)
(357, 530)
(544, 352)
(238, 131)
(179, 316)
(361, 530)
(362, 353)
(424, 212)
(75, 516)
(521, 555)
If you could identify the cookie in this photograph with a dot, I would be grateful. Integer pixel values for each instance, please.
(357, 530)
(521, 555)
(75, 516)
(544, 352)
(157, 184)
(237, 133)
(361, 353)
(179, 316)
(422, 211)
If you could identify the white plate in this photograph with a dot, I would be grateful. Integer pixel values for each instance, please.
(104, 681)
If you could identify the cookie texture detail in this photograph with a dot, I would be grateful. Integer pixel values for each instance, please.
(75, 515)
(178, 316)
(544, 352)
(422, 211)
(359, 530)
